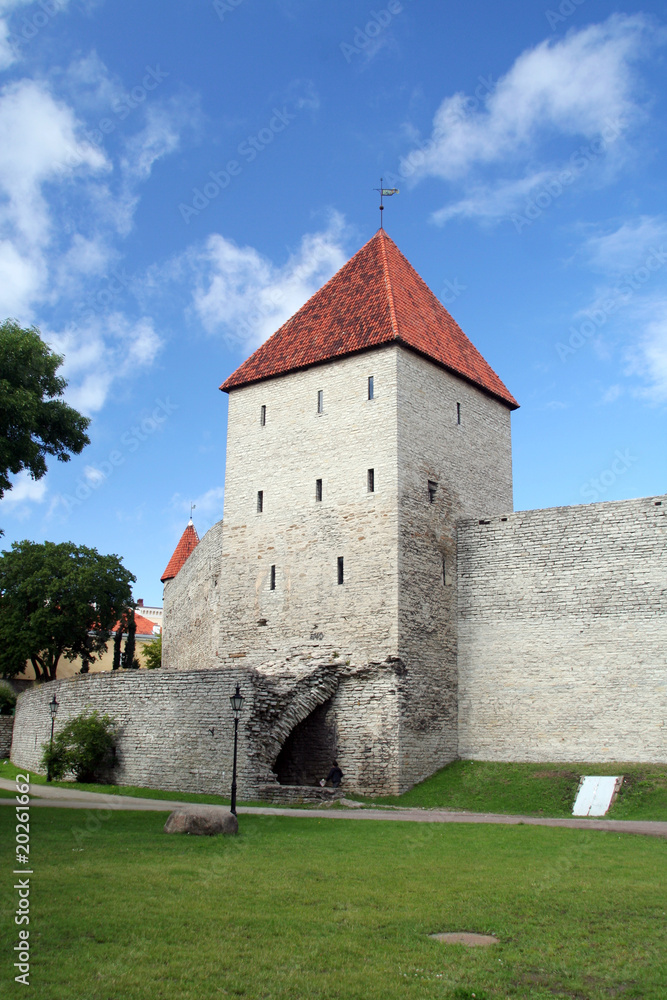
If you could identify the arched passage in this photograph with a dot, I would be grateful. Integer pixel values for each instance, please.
(307, 752)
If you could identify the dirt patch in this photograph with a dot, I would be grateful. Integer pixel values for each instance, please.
(465, 937)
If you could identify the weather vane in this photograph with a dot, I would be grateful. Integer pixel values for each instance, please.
(384, 193)
(193, 506)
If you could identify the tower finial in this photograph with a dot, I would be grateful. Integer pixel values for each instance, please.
(384, 193)
(193, 506)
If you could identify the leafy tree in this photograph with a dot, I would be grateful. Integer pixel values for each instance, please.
(57, 600)
(34, 420)
(84, 746)
(117, 645)
(7, 699)
(153, 653)
(130, 662)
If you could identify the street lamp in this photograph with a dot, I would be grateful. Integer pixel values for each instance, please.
(236, 700)
(53, 707)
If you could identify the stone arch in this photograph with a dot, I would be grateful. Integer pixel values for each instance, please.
(279, 712)
(309, 749)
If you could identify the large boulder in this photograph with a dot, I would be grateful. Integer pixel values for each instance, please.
(201, 820)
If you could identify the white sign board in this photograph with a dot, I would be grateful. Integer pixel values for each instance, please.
(595, 795)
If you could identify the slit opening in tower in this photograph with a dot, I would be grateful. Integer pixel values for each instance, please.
(309, 750)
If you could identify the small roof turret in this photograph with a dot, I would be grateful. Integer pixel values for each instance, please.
(186, 546)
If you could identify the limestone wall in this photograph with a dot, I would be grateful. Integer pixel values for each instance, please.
(176, 726)
(301, 536)
(563, 634)
(471, 464)
(6, 726)
(192, 608)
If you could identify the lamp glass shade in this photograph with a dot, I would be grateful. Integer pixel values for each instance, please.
(236, 700)
(54, 705)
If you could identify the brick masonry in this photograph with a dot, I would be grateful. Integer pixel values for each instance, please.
(562, 634)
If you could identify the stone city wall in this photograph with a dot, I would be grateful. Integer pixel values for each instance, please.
(176, 727)
(6, 726)
(192, 608)
(470, 464)
(562, 644)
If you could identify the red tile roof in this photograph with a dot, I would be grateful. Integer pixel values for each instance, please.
(144, 625)
(376, 298)
(188, 543)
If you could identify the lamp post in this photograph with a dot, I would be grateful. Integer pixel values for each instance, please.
(236, 700)
(53, 706)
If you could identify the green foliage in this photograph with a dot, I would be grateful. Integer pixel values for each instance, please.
(130, 662)
(84, 746)
(34, 421)
(7, 699)
(57, 600)
(153, 653)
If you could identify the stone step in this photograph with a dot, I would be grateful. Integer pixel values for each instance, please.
(299, 793)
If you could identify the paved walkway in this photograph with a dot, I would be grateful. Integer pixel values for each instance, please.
(46, 795)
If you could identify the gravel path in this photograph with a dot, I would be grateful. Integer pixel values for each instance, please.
(64, 798)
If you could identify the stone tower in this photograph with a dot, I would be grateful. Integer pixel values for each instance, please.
(358, 435)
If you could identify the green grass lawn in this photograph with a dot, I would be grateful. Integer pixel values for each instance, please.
(535, 789)
(323, 909)
(472, 785)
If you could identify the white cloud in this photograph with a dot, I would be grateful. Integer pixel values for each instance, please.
(632, 303)
(580, 86)
(25, 490)
(648, 357)
(101, 350)
(627, 246)
(246, 297)
(67, 193)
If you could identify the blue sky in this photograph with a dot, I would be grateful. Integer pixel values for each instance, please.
(176, 179)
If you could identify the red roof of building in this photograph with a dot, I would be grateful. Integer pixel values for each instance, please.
(376, 298)
(188, 543)
(144, 625)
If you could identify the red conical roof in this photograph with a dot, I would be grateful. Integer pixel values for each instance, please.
(376, 298)
(188, 543)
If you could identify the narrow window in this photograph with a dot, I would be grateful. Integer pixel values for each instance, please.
(458, 413)
(262, 416)
(318, 489)
(371, 480)
(432, 489)
(273, 578)
(320, 400)
(370, 387)
(340, 569)
(444, 570)
(260, 501)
